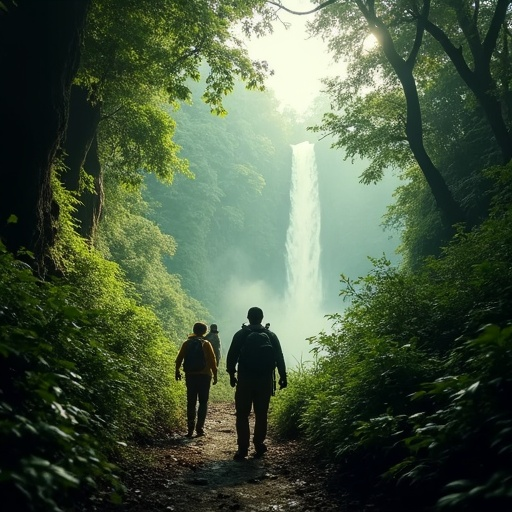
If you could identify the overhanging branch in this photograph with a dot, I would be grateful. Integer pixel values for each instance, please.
(302, 13)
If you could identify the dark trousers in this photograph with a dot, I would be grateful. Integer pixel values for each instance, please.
(252, 392)
(198, 388)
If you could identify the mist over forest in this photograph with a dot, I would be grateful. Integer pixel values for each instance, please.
(231, 244)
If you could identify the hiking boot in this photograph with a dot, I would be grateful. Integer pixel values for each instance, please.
(260, 449)
(190, 433)
(200, 432)
(240, 455)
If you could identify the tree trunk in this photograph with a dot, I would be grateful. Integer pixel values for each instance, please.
(480, 79)
(90, 213)
(451, 212)
(493, 109)
(81, 149)
(39, 57)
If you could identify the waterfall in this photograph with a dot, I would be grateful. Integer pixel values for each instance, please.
(295, 314)
(304, 279)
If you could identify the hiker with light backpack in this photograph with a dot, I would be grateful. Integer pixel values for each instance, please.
(199, 365)
(214, 338)
(252, 358)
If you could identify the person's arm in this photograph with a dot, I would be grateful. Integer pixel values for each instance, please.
(281, 366)
(179, 360)
(232, 357)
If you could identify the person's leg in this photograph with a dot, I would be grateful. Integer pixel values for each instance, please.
(203, 388)
(261, 405)
(192, 391)
(243, 404)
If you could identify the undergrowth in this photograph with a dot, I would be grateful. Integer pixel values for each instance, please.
(411, 390)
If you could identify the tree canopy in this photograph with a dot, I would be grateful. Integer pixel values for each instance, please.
(135, 56)
(384, 104)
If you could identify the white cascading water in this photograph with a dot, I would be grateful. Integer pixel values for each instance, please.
(304, 278)
(296, 315)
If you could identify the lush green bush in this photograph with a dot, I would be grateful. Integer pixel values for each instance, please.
(289, 404)
(84, 369)
(134, 390)
(464, 442)
(406, 389)
(364, 386)
(50, 432)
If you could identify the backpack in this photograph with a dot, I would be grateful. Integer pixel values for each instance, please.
(194, 360)
(257, 355)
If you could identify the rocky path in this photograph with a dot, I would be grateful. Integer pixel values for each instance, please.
(200, 475)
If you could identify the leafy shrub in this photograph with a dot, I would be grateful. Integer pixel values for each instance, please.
(132, 382)
(49, 428)
(288, 405)
(363, 387)
(83, 370)
(135, 390)
(403, 329)
(465, 444)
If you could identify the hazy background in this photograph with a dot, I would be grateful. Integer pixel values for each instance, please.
(350, 232)
(230, 222)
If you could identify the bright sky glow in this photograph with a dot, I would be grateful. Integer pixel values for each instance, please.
(299, 62)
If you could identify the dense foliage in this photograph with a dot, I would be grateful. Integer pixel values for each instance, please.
(427, 93)
(412, 384)
(84, 369)
(139, 247)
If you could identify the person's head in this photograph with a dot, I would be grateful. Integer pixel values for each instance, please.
(200, 328)
(213, 328)
(255, 315)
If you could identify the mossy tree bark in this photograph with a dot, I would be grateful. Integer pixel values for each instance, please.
(39, 57)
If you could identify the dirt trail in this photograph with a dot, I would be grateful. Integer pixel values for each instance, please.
(200, 475)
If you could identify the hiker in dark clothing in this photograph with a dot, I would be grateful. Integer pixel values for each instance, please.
(214, 338)
(199, 370)
(254, 386)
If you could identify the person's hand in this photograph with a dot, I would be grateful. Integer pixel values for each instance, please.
(214, 380)
(283, 383)
(178, 375)
(232, 381)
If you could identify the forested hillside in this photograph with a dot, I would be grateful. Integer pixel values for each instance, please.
(129, 200)
(231, 219)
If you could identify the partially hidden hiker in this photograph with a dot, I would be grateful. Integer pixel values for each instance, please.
(199, 365)
(253, 355)
(214, 338)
